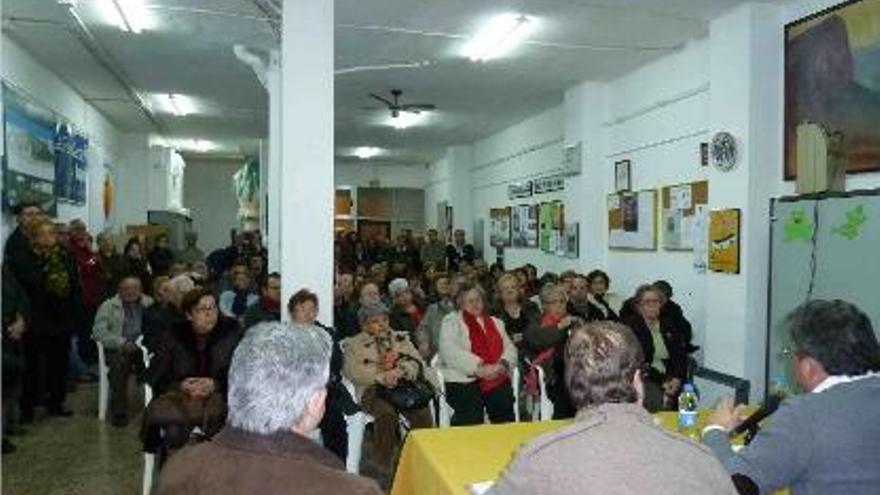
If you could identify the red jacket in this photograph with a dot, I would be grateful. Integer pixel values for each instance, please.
(88, 264)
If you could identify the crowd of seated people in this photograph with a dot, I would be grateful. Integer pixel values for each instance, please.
(415, 309)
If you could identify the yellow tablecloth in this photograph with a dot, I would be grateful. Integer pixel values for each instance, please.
(445, 461)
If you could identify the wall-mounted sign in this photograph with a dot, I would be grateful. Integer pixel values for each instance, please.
(549, 184)
(523, 189)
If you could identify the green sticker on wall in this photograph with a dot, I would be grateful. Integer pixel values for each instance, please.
(798, 227)
(852, 227)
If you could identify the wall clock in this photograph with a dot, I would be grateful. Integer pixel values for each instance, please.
(724, 153)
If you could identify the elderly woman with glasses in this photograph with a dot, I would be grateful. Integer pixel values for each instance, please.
(664, 349)
(545, 342)
(188, 374)
(376, 360)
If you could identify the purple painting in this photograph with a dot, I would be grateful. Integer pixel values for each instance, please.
(832, 78)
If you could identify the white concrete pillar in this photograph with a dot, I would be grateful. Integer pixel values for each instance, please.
(746, 74)
(307, 151)
(273, 168)
(585, 194)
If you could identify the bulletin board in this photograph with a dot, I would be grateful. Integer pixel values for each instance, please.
(632, 220)
(681, 205)
(552, 225)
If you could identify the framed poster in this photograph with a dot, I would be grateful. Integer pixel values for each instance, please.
(679, 204)
(29, 153)
(632, 220)
(499, 227)
(724, 240)
(70, 165)
(831, 65)
(622, 179)
(572, 240)
(524, 226)
(520, 190)
(545, 214)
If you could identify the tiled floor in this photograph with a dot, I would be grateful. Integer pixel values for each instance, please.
(76, 456)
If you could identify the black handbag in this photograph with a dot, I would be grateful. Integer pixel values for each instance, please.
(409, 394)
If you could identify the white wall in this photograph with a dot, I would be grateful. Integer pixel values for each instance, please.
(41, 85)
(209, 196)
(360, 175)
(657, 116)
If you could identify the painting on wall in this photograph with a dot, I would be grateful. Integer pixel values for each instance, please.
(572, 240)
(622, 179)
(832, 78)
(524, 226)
(499, 227)
(724, 240)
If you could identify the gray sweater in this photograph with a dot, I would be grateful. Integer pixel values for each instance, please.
(816, 444)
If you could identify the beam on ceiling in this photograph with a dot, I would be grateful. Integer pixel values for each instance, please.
(106, 61)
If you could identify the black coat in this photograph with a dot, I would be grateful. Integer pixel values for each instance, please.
(177, 357)
(51, 315)
(672, 316)
(529, 315)
(345, 319)
(159, 320)
(257, 314)
(453, 257)
(676, 365)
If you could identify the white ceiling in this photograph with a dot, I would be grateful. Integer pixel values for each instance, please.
(190, 52)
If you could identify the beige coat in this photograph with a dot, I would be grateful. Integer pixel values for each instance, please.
(457, 362)
(361, 361)
(614, 448)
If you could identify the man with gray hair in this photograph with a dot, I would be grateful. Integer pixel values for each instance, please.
(277, 387)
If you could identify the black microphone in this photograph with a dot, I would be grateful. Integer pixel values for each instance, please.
(751, 423)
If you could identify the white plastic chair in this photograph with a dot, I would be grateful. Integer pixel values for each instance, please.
(445, 411)
(515, 379)
(149, 459)
(545, 405)
(355, 425)
(545, 410)
(103, 384)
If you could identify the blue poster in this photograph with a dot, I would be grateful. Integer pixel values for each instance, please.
(70, 165)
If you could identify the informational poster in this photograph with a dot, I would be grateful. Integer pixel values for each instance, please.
(678, 208)
(29, 153)
(524, 226)
(724, 241)
(632, 220)
(572, 240)
(700, 234)
(499, 227)
(552, 227)
(70, 165)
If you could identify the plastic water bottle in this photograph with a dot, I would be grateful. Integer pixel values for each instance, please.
(688, 412)
(779, 387)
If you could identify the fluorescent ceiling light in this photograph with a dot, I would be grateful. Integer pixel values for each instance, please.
(406, 119)
(367, 152)
(197, 145)
(179, 105)
(131, 16)
(498, 37)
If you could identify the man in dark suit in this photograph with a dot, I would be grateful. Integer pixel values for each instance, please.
(458, 251)
(827, 440)
(17, 245)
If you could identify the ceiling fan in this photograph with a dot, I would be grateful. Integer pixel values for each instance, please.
(395, 106)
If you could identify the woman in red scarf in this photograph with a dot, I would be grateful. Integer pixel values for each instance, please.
(476, 357)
